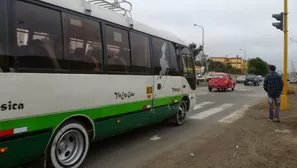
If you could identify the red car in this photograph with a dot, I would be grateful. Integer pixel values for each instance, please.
(221, 81)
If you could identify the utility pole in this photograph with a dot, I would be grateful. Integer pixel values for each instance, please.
(284, 97)
(283, 26)
(244, 61)
(206, 64)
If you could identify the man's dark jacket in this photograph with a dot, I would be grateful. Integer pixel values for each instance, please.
(273, 85)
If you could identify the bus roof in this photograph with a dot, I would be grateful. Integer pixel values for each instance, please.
(111, 16)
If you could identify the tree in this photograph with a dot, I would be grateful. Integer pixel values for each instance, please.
(203, 58)
(196, 51)
(252, 70)
(257, 66)
(220, 67)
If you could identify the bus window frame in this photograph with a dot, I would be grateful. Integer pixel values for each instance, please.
(5, 26)
(102, 70)
(106, 54)
(13, 39)
(151, 54)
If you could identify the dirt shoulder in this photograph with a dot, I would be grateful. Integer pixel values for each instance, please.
(251, 142)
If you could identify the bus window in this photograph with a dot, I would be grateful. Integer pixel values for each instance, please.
(2, 27)
(6, 62)
(117, 50)
(39, 39)
(83, 37)
(161, 56)
(140, 53)
(188, 67)
(174, 68)
(187, 62)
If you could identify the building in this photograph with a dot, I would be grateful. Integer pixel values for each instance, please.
(199, 69)
(223, 60)
(236, 62)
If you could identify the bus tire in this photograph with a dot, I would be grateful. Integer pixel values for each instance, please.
(180, 116)
(69, 146)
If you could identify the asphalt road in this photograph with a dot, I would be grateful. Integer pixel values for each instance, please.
(136, 148)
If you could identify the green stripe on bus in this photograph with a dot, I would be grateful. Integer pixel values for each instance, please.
(34, 123)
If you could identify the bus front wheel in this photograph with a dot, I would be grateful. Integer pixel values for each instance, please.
(69, 145)
(180, 116)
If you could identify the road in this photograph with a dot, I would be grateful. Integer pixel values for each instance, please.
(136, 148)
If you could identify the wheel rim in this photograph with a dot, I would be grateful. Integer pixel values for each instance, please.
(70, 147)
(181, 115)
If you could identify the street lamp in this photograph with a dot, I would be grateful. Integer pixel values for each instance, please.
(244, 59)
(196, 25)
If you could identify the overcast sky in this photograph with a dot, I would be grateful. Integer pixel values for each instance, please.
(229, 25)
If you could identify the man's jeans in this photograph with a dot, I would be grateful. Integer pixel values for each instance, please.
(273, 101)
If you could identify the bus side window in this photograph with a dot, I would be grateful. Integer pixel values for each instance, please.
(6, 60)
(160, 56)
(174, 68)
(118, 50)
(140, 54)
(39, 37)
(84, 50)
(187, 62)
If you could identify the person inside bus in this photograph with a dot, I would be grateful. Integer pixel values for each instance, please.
(116, 62)
(96, 55)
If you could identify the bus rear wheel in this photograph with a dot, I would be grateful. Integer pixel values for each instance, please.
(69, 146)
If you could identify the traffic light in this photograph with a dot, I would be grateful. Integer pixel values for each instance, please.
(280, 18)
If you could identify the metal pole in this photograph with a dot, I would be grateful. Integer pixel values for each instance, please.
(245, 68)
(285, 90)
(244, 61)
(284, 96)
(206, 66)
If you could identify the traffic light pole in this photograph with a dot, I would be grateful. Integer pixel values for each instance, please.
(284, 96)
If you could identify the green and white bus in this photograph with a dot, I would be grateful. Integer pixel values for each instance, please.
(72, 72)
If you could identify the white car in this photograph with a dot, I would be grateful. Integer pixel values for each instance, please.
(293, 80)
(260, 78)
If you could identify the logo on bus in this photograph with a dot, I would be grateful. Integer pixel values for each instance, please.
(123, 95)
(176, 90)
(12, 106)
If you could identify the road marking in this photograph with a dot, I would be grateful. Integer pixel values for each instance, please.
(235, 115)
(211, 111)
(242, 89)
(155, 138)
(201, 105)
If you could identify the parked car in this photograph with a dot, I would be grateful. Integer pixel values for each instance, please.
(241, 79)
(260, 78)
(221, 81)
(199, 78)
(293, 80)
(252, 80)
(209, 76)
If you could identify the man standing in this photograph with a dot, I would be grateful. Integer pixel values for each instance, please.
(273, 85)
